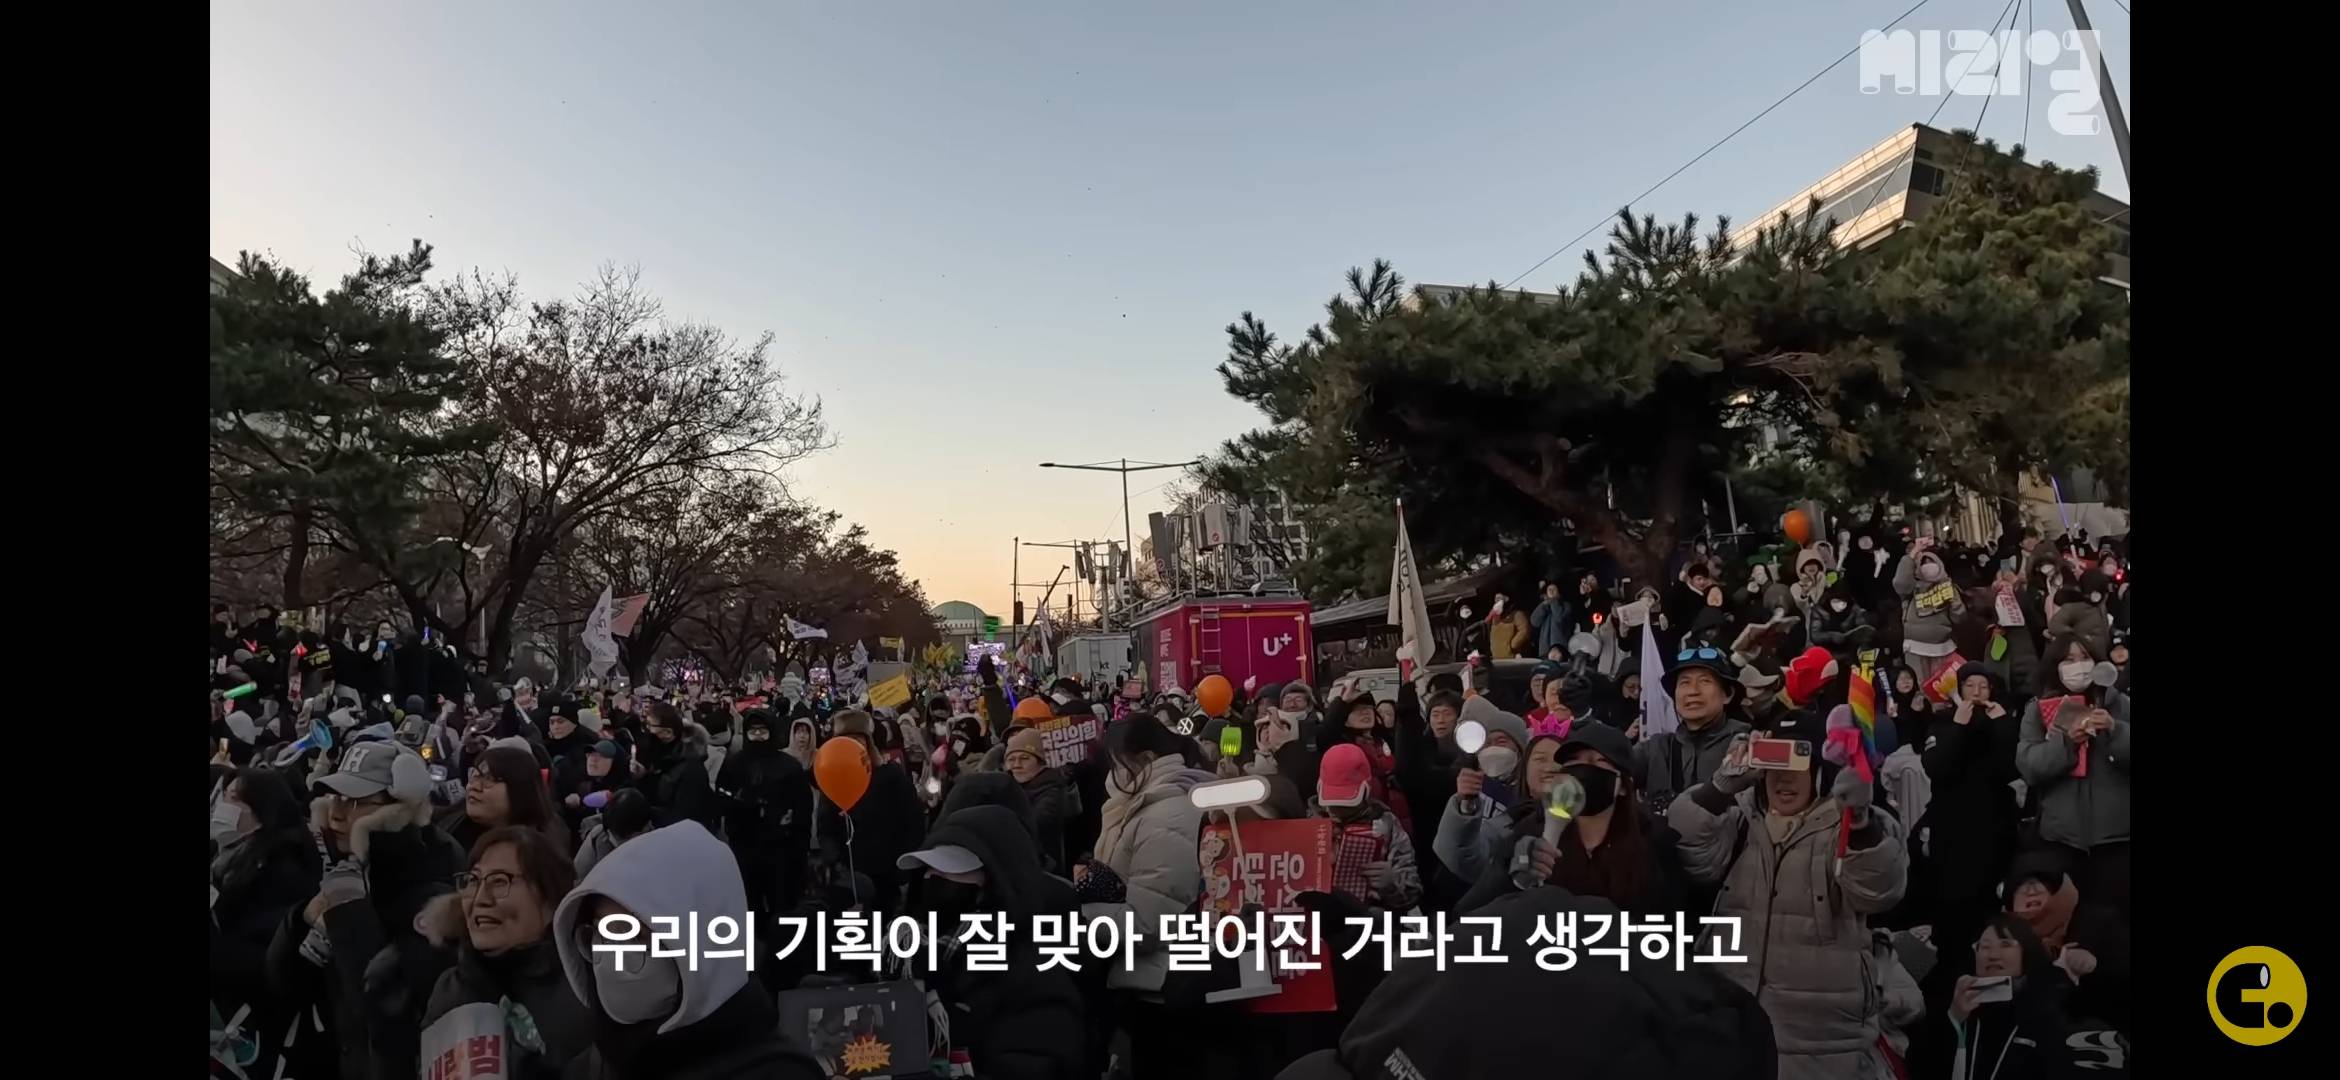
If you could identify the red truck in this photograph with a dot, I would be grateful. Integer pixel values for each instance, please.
(1263, 638)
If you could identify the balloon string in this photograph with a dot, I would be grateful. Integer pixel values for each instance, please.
(852, 876)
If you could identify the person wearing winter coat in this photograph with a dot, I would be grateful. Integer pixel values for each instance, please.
(1930, 605)
(1360, 726)
(1839, 624)
(264, 867)
(1054, 801)
(1474, 825)
(1612, 847)
(1024, 1021)
(1703, 687)
(1344, 781)
(1554, 621)
(1967, 828)
(767, 815)
(2024, 1037)
(1146, 865)
(672, 769)
(2074, 758)
(657, 1016)
(1770, 840)
(2088, 942)
(374, 815)
(500, 921)
(889, 821)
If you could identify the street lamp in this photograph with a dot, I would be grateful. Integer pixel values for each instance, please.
(1122, 466)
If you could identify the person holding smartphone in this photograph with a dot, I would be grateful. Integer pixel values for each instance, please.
(2009, 1015)
(1803, 860)
(2075, 759)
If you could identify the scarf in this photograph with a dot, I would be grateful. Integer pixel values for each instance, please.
(2054, 921)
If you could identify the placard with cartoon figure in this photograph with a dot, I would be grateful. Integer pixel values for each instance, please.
(1281, 860)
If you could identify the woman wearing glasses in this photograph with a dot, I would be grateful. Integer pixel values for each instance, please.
(504, 787)
(505, 954)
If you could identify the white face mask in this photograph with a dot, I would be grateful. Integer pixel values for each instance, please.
(227, 820)
(1836, 605)
(1498, 761)
(2076, 674)
(647, 990)
(1929, 571)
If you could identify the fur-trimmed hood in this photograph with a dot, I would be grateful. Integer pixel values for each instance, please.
(386, 819)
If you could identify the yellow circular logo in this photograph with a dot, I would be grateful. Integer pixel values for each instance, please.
(2257, 995)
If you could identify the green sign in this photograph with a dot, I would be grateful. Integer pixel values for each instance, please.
(991, 628)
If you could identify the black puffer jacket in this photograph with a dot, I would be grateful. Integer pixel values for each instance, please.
(1515, 1019)
(1022, 1022)
(372, 989)
(675, 779)
(531, 978)
(1969, 825)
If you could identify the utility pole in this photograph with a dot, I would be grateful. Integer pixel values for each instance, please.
(1015, 575)
(2104, 84)
(1124, 468)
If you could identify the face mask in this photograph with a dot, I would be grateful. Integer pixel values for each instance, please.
(1929, 571)
(1498, 761)
(227, 819)
(1836, 605)
(647, 990)
(759, 735)
(2076, 674)
(1867, 543)
(952, 899)
(1600, 786)
(1293, 716)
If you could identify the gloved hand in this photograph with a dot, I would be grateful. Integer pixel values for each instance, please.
(1382, 878)
(1098, 884)
(1735, 775)
(344, 881)
(1854, 794)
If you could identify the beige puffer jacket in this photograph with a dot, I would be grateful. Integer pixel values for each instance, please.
(1804, 924)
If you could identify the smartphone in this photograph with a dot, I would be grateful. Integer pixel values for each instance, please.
(1990, 988)
(1789, 755)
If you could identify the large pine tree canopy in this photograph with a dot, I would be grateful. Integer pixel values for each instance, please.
(1972, 347)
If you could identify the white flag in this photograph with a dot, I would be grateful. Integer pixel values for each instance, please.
(1409, 609)
(1657, 706)
(800, 631)
(860, 656)
(598, 640)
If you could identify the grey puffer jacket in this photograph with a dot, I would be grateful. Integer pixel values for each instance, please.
(2078, 811)
(1803, 921)
(1928, 622)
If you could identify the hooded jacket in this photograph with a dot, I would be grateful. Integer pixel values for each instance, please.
(2083, 620)
(1605, 1020)
(675, 779)
(1508, 636)
(1968, 831)
(1803, 915)
(1668, 888)
(1151, 837)
(1024, 1021)
(724, 1024)
(261, 877)
(767, 800)
(1670, 764)
(1553, 621)
(2077, 811)
(1927, 610)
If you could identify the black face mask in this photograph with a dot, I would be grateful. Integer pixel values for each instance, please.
(951, 899)
(1600, 786)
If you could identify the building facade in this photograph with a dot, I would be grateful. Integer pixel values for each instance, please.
(1892, 185)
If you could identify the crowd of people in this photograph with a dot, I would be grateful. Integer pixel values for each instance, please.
(397, 837)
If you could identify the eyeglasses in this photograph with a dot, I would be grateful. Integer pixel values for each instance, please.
(492, 886)
(481, 778)
(379, 798)
(1703, 652)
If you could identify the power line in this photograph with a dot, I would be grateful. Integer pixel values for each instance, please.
(1883, 182)
(2124, 7)
(1996, 71)
(1832, 65)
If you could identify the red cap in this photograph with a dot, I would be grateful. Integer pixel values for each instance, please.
(1342, 777)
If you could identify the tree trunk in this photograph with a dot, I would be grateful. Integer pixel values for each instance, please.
(296, 555)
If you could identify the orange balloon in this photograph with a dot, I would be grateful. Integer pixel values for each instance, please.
(1798, 527)
(841, 768)
(1214, 694)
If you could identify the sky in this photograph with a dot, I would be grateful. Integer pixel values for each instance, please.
(991, 234)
